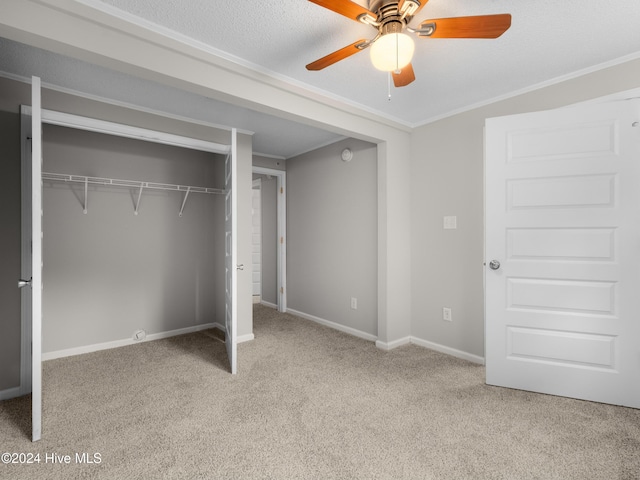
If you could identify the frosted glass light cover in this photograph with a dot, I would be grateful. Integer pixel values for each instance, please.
(392, 51)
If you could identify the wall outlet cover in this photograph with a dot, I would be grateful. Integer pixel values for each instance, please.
(139, 335)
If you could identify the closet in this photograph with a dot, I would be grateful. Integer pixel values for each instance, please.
(134, 244)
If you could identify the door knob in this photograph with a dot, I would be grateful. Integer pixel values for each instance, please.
(494, 264)
(24, 283)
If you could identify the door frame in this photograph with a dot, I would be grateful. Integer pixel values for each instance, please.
(257, 185)
(281, 227)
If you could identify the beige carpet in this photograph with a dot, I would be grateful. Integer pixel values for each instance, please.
(308, 402)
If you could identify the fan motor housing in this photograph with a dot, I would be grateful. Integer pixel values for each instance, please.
(388, 16)
(375, 5)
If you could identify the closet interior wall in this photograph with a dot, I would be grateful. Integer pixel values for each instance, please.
(109, 273)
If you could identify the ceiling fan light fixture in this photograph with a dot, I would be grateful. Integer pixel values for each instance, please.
(392, 52)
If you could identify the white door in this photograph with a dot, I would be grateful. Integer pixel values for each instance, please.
(31, 270)
(230, 261)
(563, 222)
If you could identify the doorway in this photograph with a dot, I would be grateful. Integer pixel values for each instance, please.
(273, 256)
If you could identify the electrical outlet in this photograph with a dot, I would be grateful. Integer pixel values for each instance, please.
(446, 314)
(354, 303)
(139, 335)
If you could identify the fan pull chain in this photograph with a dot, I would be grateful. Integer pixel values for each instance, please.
(389, 87)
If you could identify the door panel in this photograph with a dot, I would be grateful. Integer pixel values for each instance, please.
(231, 266)
(562, 203)
(36, 259)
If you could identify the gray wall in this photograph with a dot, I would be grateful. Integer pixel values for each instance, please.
(447, 179)
(110, 272)
(332, 235)
(9, 250)
(269, 162)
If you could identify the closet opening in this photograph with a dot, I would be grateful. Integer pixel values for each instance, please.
(158, 215)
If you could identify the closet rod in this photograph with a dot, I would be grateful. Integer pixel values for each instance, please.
(61, 177)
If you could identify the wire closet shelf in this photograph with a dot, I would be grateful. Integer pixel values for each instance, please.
(135, 184)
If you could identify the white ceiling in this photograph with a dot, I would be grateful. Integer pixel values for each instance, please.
(548, 40)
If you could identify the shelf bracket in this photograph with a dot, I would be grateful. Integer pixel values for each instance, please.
(86, 195)
(135, 212)
(184, 201)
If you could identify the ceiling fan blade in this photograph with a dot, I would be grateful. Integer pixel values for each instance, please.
(345, 7)
(337, 55)
(481, 26)
(405, 77)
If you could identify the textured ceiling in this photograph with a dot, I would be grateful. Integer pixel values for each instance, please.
(548, 40)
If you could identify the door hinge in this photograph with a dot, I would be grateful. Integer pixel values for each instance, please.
(281, 289)
(281, 240)
(281, 190)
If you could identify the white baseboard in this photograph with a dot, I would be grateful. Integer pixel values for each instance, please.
(9, 393)
(448, 350)
(245, 338)
(268, 304)
(394, 344)
(241, 338)
(335, 326)
(122, 343)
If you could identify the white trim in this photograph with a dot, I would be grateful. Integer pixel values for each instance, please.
(245, 338)
(249, 69)
(335, 326)
(36, 259)
(281, 206)
(124, 342)
(240, 338)
(121, 130)
(394, 344)
(11, 393)
(268, 304)
(531, 88)
(123, 104)
(431, 346)
(447, 350)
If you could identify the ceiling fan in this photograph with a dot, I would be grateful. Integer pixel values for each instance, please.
(391, 48)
